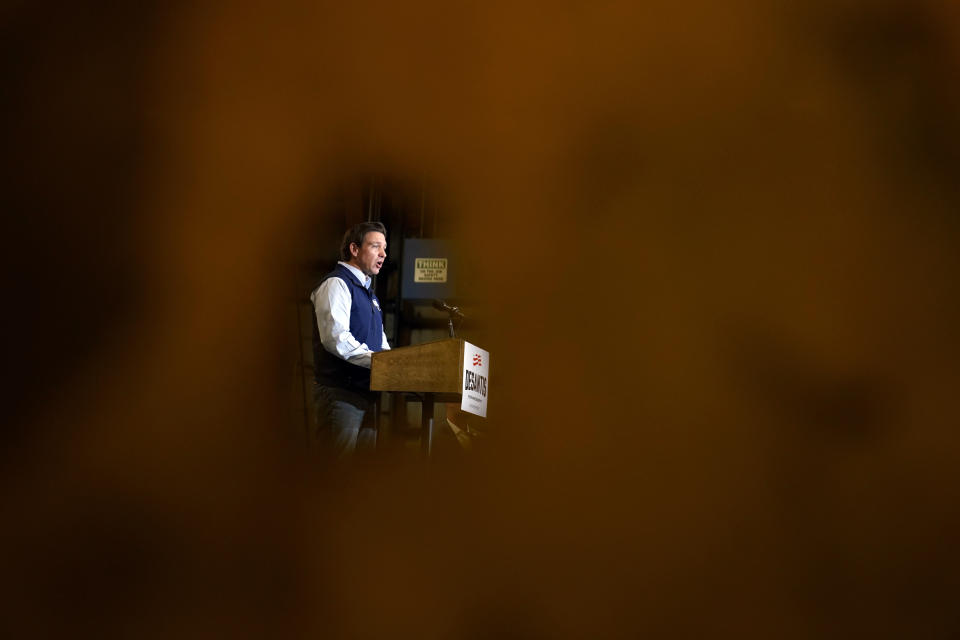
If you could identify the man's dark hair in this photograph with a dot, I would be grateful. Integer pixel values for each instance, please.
(356, 234)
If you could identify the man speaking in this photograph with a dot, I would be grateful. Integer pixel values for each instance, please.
(348, 329)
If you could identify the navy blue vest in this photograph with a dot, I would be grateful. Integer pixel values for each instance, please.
(366, 325)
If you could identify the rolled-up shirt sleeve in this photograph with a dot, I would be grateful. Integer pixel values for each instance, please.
(331, 304)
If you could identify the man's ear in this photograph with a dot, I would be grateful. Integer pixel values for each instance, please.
(354, 249)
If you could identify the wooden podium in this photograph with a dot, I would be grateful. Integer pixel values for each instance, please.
(434, 370)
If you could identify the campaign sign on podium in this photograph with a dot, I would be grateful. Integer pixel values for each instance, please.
(476, 373)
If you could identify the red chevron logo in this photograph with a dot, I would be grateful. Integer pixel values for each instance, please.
(477, 360)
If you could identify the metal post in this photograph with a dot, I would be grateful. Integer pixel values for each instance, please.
(426, 424)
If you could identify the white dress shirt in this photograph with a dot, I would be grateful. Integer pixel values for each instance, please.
(331, 303)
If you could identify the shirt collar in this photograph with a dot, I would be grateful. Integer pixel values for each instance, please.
(361, 276)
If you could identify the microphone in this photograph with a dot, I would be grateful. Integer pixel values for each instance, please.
(443, 306)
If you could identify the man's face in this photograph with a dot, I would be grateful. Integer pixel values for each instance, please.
(370, 256)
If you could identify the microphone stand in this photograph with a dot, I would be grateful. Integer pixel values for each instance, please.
(451, 312)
